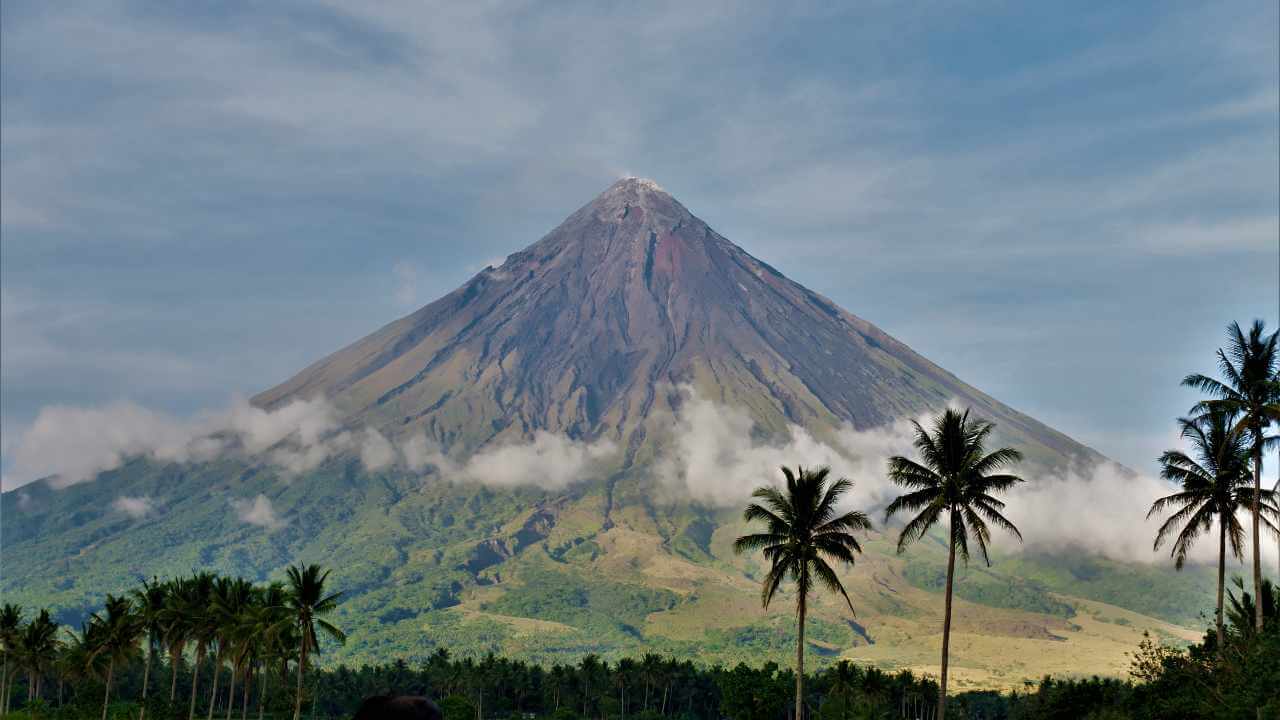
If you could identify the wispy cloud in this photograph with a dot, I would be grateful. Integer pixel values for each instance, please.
(135, 507)
(258, 511)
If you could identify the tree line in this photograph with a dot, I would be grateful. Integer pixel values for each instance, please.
(228, 627)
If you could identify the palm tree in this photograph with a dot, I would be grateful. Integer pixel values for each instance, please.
(805, 530)
(844, 685)
(954, 481)
(1252, 391)
(275, 633)
(230, 601)
(150, 601)
(119, 628)
(308, 604)
(1215, 483)
(37, 650)
(1241, 610)
(10, 626)
(177, 627)
(189, 618)
(77, 660)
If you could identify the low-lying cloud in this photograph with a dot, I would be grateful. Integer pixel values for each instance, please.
(1104, 512)
(71, 445)
(258, 511)
(709, 453)
(135, 507)
(712, 457)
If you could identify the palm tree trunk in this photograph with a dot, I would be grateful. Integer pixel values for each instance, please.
(106, 694)
(4, 684)
(946, 624)
(1257, 546)
(217, 671)
(800, 613)
(173, 676)
(1222, 567)
(302, 664)
(195, 680)
(146, 676)
(231, 691)
(244, 702)
(265, 672)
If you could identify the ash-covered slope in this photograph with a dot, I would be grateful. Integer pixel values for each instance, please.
(585, 331)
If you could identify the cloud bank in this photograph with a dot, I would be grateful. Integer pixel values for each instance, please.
(710, 454)
(71, 445)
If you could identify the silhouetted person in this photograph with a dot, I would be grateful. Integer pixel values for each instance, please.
(398, 707)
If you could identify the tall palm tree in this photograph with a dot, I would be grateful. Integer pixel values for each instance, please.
(150, 601)
(308, 604)
(189, 611)
(119, 628)
(230, 602)
(844, 685)
(10, 627)
(954, 481)
(176, 627)
(1250, 389)
(1215, 484)
(805, 529)
(77, 660)
(37, 650)
(275, 633)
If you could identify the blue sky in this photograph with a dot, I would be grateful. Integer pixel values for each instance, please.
(1062, 205)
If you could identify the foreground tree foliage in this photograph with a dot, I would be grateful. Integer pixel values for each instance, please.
(1249, 389)
(1216, 484)
(804, 533)
(954, 483)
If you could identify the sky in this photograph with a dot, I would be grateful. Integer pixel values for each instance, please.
(1064, 206)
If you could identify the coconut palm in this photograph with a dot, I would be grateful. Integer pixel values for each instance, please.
(804, 531)
(77, 660)
(150, 601)
(276, 635)
(188, 619)
(1242, 608)
(38, 646)
(1215, 484)
(176, 628)
(954, 481)
(231, 599)
(308, 603)
(845, 686)
(1251, 390)
(10, 626)
(118, 630)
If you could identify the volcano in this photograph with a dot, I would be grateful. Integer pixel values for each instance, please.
(581, 332)
(596, 334)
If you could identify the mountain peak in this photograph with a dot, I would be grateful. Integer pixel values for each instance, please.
(621, 200)
(636, 184)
